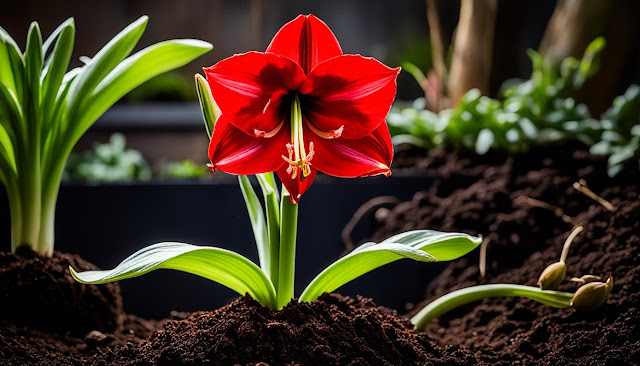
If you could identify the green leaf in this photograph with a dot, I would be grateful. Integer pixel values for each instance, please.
(103, 62)
(420, 245)
(258, 223)
(47, 44)
(484, 141)
(270, 195)
(467, 295)
(33, 61)
(11, 116)
(209, 107)
(6, 75)
(56, 68)
(8, 50)
(7, 154)
(135, 70)
(220, 265)
(17, 67)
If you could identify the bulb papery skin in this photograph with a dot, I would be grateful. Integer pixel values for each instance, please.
(592, 295)
(552, 276)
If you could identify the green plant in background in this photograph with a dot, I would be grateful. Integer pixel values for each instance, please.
(183, 169)
(109, 162)
(620, 134)
(44, 110)
(534, 111)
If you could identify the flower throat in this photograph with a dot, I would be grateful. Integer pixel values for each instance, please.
(298, 159)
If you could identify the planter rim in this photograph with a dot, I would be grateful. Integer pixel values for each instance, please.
(231, 180)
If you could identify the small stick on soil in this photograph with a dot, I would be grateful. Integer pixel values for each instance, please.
(582, 187)
(357, 216)
(547, 206)
(483, 257)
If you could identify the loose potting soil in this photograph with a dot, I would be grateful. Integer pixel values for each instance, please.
(47, 318)
(488, 195)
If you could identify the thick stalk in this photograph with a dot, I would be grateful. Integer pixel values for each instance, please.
(52, 173)
(47, 220)
(288, 232)
(450, 301)
(30, 185)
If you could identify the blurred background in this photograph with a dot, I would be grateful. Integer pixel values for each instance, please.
(392, 31)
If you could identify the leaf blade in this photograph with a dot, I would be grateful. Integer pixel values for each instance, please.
(220, 265)
(421, 245)
(258, 222)
(103, 62)
(135, 70)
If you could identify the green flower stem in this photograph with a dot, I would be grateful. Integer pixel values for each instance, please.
(450, 301)
(268, 184)
(288, 232)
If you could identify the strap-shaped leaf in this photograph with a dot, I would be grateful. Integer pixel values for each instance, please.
(258, 222)
(7, 46)
(135, 70)
(17, 65)
(220, 265)
(272, 208)
(420, 245)
(209, 107)
(55, 69)
(467, 295)
(11, 116)
(103, 62)
(54, 35)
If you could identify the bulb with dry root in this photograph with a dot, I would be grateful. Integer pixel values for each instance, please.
(553, 275)
(591, 295)
(588, 297)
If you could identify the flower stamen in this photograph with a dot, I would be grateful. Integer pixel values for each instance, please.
(299, 160)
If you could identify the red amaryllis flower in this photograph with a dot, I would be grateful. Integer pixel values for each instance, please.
(302, 106)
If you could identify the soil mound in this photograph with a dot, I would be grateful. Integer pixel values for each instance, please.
(335, 330)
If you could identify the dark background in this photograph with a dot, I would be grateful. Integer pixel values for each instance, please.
(392, 31)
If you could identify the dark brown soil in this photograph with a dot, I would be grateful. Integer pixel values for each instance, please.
(334, 330)
(45, 315)
(40, 293)
(480, 195)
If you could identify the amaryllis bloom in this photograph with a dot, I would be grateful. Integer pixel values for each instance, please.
(302, 106)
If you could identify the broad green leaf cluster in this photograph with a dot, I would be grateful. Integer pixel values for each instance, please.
(275, 230)
(45, 109)
(534, 111)
(108, 162)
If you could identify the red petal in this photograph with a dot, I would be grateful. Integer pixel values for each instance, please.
(345, 158)
(233, 151)
(306, 40)
(249, 89)
(295, 187)
(351, 91)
